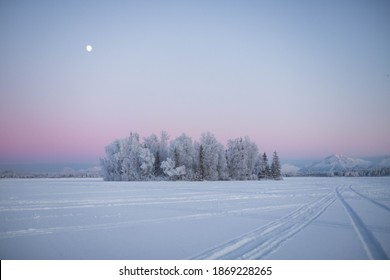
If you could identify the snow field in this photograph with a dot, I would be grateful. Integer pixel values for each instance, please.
(297, 218)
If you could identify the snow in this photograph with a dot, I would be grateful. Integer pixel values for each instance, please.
(290, 169)
(336, 163)
(297, 218)
(385, 162)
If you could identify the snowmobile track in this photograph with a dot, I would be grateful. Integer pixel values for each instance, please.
(370, 244)
(369, 199)
(264, 240)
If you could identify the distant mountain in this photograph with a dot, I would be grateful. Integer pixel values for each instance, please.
(385, 162)
(340, 165)
(335, 163)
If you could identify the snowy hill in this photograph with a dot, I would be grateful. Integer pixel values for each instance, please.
(289, 170)
(338, 165)
(385, 162)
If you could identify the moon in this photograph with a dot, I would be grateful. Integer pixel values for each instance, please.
(88, 48)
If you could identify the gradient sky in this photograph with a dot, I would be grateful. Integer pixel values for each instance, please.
(305, 78)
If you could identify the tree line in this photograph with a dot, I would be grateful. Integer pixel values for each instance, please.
(157, 158)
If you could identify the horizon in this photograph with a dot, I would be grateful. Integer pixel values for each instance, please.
(57, 167)
(307, 80)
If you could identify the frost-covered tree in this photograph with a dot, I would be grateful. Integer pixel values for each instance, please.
(182, 152)
(177, 157)
(242, 155)
(159, 149)
(201, 164)
(164, 145)
(252, 156)
(122, 159)
(265, 171)
(237, 159)
(147, 160)
(276, 169)
(157, 171)
(222, 168)
(112, 163)
(168, 167)
(173, 173)
(152, 143)
(210, 155)
(257, 169)
(129, 159)
(130, 152)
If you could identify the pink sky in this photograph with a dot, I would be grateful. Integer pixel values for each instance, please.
(306, 80)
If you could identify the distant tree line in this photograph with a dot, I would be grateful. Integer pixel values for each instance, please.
(353, 172)
(154, 158)
(65, 173)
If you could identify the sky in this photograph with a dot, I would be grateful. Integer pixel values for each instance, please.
(305, 78)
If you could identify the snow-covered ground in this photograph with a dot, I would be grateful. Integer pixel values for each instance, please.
(297, 218)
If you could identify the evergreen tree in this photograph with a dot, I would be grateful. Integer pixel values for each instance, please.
(276, 170)
(157, 165)
(265, 172)
(176, 157)
(163, 146)
(222, 168)
(201, 163)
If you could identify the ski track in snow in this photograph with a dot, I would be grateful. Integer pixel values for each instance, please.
(370, 200)
(370, 244)
(105, 226)
(262, 241)
(23, 205)
(39, 213)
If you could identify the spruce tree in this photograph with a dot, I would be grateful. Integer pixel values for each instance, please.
(201, 163)
(276, 170)
(157, 165)
(265, 172)
(176, 158)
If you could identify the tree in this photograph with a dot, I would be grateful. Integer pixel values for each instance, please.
(233, 159)
(237, 159)
(163, 147)
(147, 160)
(276, 170)
(265, 171)
(157, 165)
(242, 156)
(222, 168)
(182, 152)
(152, 143)
(252, 155)
(210, 148)
(130, 152)
(201, 163)
(111, 164)
(159, 149)
(129, 159)
(173, 173)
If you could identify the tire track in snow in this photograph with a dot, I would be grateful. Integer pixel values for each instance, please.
(370, 199)
(371, 245)
(263, 241)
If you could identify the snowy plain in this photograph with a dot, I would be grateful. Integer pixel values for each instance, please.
(296, 218)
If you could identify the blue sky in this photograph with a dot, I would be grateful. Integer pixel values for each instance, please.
(305, 78)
